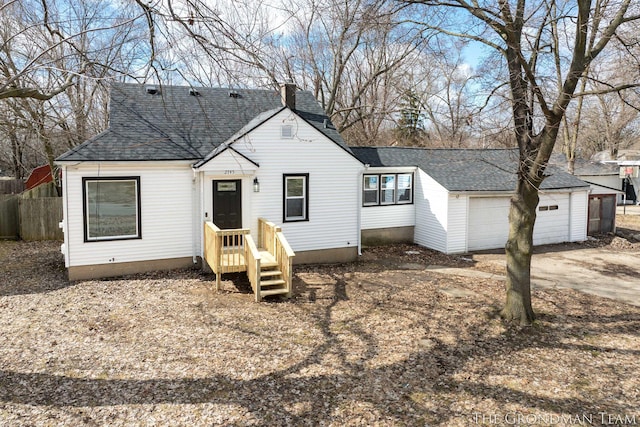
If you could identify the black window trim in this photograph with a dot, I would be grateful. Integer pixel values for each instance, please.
(284, 196)
(395, 194)
(87, 179)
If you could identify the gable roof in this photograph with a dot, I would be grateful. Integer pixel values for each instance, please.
(464, 169)
(175, 125)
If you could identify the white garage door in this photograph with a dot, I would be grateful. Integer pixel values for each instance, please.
(488, 222)
(552, 220)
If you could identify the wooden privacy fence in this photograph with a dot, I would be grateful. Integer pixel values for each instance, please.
(9, 217)
(31, 219)
(11, 186)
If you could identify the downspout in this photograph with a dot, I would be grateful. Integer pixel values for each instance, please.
(201, 213)
(570, 216)
(195, 206)
(65, 217)
(359, 208)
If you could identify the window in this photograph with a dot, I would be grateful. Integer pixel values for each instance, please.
(404, 188)
(111, 208)
(296, 200)
(370, 190)
(387, 189)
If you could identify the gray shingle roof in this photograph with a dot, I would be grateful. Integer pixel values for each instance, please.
(585, 167)
(462, 169)
(174, 125)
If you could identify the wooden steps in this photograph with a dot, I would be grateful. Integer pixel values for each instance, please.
(271, 280)
(268, 263)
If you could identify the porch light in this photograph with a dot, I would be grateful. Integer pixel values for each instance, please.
(256, 185)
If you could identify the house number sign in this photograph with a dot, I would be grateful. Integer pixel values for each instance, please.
(229, 172)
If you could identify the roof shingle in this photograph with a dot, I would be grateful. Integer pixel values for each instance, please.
(464, 169)
(175, 125)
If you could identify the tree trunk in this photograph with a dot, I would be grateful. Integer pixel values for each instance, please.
(571, 165)
(519, 248)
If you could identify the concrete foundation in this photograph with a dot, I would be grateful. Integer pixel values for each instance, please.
(326, 256)
(88, 272)
(387, 236)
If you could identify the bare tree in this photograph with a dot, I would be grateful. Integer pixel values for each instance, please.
(519, 31)
(56, 59)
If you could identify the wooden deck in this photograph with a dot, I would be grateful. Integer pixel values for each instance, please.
(237, 260)
(269, 268)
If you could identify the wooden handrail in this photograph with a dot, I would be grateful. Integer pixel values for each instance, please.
(235, 250)
(266, 234)
(224, 250)
(271, 238)
(252, 258)
(284, 257)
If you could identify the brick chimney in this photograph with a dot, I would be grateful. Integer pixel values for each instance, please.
(288, 95)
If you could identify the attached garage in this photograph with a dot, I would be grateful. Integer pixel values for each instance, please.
(553, 219)
(462, 197)
(488, 222)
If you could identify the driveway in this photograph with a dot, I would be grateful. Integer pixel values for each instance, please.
(598, 271)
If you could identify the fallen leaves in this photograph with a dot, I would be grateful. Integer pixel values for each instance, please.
(383, 341)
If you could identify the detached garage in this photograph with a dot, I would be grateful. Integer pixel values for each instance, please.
(462, 198)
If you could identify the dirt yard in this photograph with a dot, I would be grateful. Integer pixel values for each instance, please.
(380, 342)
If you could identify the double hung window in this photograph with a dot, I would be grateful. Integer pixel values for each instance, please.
(387, 189)
(296, 198)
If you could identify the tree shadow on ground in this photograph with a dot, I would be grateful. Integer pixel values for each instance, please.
(392, 391)
(32, 268)
(425, 387)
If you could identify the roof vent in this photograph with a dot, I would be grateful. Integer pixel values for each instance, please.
(194, 92)
(151, 90)
(234, 94)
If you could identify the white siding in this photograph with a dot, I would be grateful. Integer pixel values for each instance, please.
(457, 224)
(611, 181)
(229, 163)
(552, 226)
(431, 206)
(604, 185)
(166, 194)
(579, 216)
(334, 183)
(388, 216)
(488, 222)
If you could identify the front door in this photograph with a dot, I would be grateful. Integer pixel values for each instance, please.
(227, 204)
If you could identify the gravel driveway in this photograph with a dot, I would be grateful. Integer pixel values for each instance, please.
(381, 342)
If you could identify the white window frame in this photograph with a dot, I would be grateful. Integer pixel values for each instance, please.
(304, 197)
(409, 187)
(383, 188)
(396, 189)
(376, 190)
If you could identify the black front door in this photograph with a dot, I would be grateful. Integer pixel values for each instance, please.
(227, 204)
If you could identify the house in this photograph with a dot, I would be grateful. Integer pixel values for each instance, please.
(461, 199)
(607, 189)
(38, 176)
(247, 178)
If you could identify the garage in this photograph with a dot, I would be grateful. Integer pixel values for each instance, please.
(488, 222)
(552, 221)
